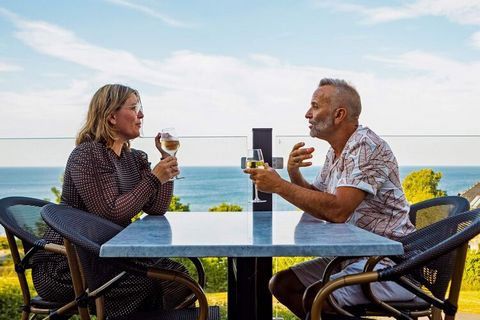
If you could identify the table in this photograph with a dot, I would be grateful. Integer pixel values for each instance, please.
(245, 237)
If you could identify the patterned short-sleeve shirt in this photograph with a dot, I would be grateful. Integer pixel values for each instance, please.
(367, 163)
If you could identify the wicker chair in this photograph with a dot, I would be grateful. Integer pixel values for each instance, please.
(433, 210)
(20, 216)
(433, 263)
(84, 233)
(421, 214)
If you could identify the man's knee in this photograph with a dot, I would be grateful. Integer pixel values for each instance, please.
(285, 282)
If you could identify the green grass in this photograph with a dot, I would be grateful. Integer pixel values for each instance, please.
(469, 302)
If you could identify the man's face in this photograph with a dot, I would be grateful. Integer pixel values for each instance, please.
(320, 114)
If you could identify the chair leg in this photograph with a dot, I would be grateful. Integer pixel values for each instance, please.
(436, 313)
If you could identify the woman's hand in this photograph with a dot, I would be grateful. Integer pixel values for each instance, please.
(166, 169)
(158, 144)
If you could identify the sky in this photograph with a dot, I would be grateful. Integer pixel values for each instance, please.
(223, 67)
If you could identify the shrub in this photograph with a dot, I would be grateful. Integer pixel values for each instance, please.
(216, 270)
(10, 298)
(3, 243)
(226, 207)
(177, 206)
(471, 275)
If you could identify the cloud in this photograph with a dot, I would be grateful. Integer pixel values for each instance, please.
(459, 11)
(433, 65)
(151, 12)
(475, 40)
(203, 94)
(8, 67)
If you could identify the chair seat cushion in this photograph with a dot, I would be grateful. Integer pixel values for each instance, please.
(182, 314)
(416, 304)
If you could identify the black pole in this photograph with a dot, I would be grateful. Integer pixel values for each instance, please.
(262, 139)
(248, 277)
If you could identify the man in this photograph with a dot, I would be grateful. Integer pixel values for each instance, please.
(359, 184)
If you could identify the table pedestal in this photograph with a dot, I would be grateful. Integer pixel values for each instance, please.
(248, 294)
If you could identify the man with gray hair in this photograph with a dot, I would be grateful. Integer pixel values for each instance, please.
(359, 184)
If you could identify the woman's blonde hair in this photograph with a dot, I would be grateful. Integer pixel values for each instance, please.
(104, 103)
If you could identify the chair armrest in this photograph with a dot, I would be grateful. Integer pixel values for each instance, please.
(329, 270)
(174, 275)
(200, 270)
(329, 287)
(190, 300)
(368, 291)
(57, 248)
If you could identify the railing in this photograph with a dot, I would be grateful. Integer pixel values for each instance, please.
(211, 164)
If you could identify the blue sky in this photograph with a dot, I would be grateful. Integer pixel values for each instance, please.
(223, 67)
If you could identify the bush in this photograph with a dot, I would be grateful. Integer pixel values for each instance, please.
(422, 185)
(222, 207)
(3, 243)
(216, 271)
(177, 206)
(10, 298)
(471, 275)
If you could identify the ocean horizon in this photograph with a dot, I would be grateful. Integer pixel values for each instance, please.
(206, 187)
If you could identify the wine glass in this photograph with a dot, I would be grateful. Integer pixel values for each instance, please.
(170, 143)
(255, 160)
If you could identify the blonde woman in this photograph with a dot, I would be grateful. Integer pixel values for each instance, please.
(106, 177)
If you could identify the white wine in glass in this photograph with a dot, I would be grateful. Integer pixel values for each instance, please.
(255, 160)
(170, 143)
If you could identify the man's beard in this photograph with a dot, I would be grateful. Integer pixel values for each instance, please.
(319, 129)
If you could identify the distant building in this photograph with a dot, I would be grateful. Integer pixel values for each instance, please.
(473, 196)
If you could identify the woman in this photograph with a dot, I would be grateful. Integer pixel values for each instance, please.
(105, 177)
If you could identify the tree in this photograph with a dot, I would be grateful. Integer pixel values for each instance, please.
(226, 207)
(56, 192)
(422, 185)
(176, 205)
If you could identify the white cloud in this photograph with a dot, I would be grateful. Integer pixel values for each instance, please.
(151, 12)
(203, 94)
(8, 67)
(475, 40)
(459, 11)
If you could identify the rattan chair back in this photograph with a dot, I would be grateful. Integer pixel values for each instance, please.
(434, 257)
(430, 211)
(436, 250)
(20, 216)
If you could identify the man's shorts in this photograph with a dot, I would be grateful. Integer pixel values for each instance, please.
(311, 271)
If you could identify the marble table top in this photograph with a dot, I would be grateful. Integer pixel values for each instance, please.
(244, 234)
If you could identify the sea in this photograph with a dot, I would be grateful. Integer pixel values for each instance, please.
(206, 187)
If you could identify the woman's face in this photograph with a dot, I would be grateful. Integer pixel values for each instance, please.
(127, 120)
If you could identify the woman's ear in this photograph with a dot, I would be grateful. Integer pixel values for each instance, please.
(112, 119)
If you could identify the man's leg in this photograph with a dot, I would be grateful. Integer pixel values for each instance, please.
(289, 285)
(287, 288)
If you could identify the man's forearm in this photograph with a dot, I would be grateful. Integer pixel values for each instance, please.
(297, 178)
(320, 204)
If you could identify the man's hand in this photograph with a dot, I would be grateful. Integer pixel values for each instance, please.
(267, 180)
(298, 155)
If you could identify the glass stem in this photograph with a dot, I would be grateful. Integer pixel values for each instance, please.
(256, 193)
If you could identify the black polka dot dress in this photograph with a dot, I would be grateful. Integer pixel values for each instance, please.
(117, 188)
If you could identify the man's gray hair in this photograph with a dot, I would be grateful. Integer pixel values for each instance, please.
(345, 95)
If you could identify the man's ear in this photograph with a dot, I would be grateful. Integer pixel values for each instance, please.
(340, 114)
